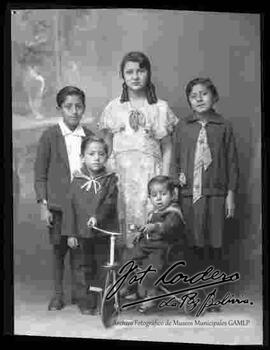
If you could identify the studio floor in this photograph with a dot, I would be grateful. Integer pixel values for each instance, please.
(33, 318)
(33, 290)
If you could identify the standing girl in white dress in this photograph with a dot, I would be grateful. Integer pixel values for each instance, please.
(138, 127)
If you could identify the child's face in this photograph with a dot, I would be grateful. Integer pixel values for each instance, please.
(160, 196)
(95, 156)
(72, 110)
(134, 76)
(201, 99)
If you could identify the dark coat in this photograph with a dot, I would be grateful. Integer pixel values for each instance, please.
(223, 173)
(81, 205)
(169, 227)
(52, 172)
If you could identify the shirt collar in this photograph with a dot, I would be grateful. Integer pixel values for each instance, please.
(66, 131)
(212, 118)
(85, 171)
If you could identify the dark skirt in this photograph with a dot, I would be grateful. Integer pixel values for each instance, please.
(204, 220)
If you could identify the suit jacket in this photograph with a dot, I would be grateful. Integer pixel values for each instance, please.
(52, 172)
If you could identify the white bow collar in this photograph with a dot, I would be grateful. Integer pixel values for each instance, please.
(91, 181)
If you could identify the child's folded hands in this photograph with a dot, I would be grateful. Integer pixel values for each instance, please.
(72, 242)
(147, 229)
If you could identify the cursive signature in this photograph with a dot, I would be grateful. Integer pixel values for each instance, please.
(131, 273)
(191, 301)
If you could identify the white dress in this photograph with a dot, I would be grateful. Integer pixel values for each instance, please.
(136, 155)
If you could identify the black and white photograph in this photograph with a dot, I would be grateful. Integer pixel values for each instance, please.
(136, 156)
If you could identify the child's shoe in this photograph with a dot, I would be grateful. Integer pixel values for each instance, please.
(74, 301)
(147, 306)
(131, 297)
(86, 309)
(56, 303)
(128, 293)
(88, 305)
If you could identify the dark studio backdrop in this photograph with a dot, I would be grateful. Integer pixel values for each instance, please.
(54, 48)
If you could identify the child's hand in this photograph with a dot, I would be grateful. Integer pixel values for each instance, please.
(229, 205)
(92, 222)
(46, 215)
(175, 194)
(182, 179)
(72, 242)
(147, 228)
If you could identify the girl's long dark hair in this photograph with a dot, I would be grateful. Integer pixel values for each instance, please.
(143, 60)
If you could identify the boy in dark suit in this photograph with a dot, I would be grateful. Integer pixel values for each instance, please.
(58, 157)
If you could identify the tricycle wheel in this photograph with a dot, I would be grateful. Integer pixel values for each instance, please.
(109, 309)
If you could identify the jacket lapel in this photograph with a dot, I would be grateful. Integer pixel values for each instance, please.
(62, 149)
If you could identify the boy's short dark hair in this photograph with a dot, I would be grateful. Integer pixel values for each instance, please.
(202, 81)
(67, 91)
(163, 180)
(90, 139)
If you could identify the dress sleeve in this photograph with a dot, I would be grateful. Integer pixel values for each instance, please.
(232, 160)
(166, 120)
(177, 145)
(107, 118)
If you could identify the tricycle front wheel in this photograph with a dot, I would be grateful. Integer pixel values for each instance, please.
(109, 309)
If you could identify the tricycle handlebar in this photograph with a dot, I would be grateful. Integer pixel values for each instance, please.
(107, 232)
